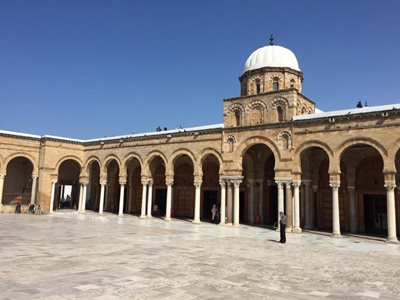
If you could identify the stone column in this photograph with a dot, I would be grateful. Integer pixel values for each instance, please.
(223, 200)
(150, 199)
(1, 191)
(197, 185)
(250, 198)
(335, 210)
(169, 182)
(53, 188)
(80, 197)
(289, 207)
(84, 196)
(121, 198)
(302, 203)
(308, 199)
(102, 194)
(260, 200)
(144, 194)
(229, 202)
(353, 214)
(33, 194)
(314, 206)
(391, 213)
(236, 184)
(280, 199)
(296, 208)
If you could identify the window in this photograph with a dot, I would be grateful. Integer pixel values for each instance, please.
(292, 82)
(280, 113)
(258, 86)
(237, 116)
(275, 86)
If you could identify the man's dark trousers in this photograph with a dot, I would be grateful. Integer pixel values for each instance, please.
(283, 233)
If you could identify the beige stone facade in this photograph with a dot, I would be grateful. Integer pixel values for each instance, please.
(331, 171)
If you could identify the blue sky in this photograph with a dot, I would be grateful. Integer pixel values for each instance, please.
(86, 69)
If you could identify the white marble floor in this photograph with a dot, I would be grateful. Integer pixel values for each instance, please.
(87, 256)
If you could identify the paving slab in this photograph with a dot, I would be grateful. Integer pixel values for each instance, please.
(69, 255)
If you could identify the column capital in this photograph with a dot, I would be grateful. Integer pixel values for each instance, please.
(144, 181)
(390, 186)
(2, 176)
(103, 182)
(197, 184)
(334, 185)
(34, 176)
(236, 183)
(296, 183)
(122, 180)
(150, 182)
(222, 183)
(169, 179)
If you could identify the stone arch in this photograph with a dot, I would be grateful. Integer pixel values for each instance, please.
(107, 160)
(237, 110)
(392, 152)
(210, 151)
(246, 144)
(88, 162)
(71, 157)
(176, 154)
(279, 101)
(370, 142)
(132, 155)
(257, 109)
(306, 145)
(286, 139)
(149, 158)
(21, 154)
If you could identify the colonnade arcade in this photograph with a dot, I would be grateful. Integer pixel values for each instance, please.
(351, 189)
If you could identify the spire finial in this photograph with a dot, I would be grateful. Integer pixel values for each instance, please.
(271, 39)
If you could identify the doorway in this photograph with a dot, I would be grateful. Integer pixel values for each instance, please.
(375, 214)
(209, 198)
(161, 200)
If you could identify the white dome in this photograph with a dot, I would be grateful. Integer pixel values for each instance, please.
(272, 56)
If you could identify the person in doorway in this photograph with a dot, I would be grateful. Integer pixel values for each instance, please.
(155, 210)
(282, 223)
(18, 207)
(214, 210)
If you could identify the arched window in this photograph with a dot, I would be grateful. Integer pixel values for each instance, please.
(275, 85)
(238, 117)
(292, 83)
(258, 86)
(231, 142)
(279, 109)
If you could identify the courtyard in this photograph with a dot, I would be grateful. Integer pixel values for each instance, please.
(68, 255)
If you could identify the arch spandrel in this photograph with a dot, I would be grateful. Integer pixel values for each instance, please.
(393, 151)
(29, 157)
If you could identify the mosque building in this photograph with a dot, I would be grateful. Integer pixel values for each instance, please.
(330, 171)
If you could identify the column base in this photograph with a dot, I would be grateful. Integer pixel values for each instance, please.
(100, 213)
(236, 225)
(288, 229)
(120, 215)
(167, 219)
(196, 222)
(142, 216)
(392, 240)
(336, 235)
(228, 224)
(222, 224)
(296, 230)
(149, 217)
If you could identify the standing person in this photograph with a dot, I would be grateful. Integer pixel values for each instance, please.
(18, 207)
(282, 223)
(214, 210)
